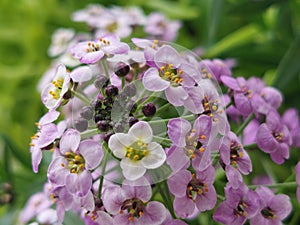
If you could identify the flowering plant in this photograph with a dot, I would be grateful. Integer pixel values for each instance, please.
(147, 133)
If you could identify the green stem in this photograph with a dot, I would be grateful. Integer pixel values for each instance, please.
(89, 133)
(228, 105)
(222, 198)
(104, 162)
(162, 108)
(103, 63)
(123, 82)
(166, 200)
(187, 117)
(81, 97)
(278, 185)
(165, 141)
(149, 99)
(251, 146)
(246, 122)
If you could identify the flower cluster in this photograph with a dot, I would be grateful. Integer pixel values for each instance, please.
(145, 130)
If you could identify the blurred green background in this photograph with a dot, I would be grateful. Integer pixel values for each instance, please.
(262, 35)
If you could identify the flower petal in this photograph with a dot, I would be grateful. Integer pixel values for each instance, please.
(69, 141)
(141, 131)
(153, 82)
(167, 55)
(132, 170)
(81, 74)
(176, 95)
(91, 152)
(118, 144)
(154, 214)
(177, 131)
(156, 156)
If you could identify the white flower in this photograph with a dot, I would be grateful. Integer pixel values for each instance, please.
(137, 151)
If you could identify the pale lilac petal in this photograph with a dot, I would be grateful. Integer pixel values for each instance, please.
(177, 159)
(207, 200)
(79, 184)
(177, 131)
(132, 170)
(156, 156)
(167, 55)
(233, 176)
(104, 218)
(118, 144)
(176, 95)
(203, 125)
(194, 100)
(141, 131)
(281, 205)
(49, 133)
(183, 207)
(272, 96)
(49, 117)
(242, 104)
(153, 82)
(139, 188)
(123, 219)
(154, 214)
(91, 57)
(178, 183)
(69, 141)
(113, 198)
(57, 171)
(88, 202)
(81, 74)
(265, 139)
(91, 152)
(36, 158)
(230, 82)
(281, 154)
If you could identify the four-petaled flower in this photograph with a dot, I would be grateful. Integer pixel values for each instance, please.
(137, 151)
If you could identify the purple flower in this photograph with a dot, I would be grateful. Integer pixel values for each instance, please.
(214, 69)
(47, 133)
(240, 205)
(273, 137)
(290, 118)
(161, 28)
(192, 143)
(232, 153)
(272, 208)
(52, 95)
(90, 52)
(72, 167)
(250, 132)
(170, 73)
(297, 169)
(193, 190)
(130, 204)
(137, 151)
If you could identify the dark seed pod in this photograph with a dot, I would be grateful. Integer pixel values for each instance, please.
(107, 136)
(111, 91)
(81, 124)
(132, 120)
(101, 81)
(86, 112)
(149, 109)
(103, 125)
(122, 69)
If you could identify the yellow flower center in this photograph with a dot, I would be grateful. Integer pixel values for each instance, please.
(137, 150)
(171, 74)
(76, 162)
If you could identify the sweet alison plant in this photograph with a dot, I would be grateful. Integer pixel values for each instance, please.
(147, 133)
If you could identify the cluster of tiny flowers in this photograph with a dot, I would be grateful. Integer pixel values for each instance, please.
(138, 132)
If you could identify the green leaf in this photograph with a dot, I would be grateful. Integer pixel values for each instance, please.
(173, 9)
(19, 153)
(289, 67)
(239, 37)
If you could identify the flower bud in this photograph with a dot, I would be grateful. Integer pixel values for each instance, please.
(86, 113)
(103, 125)
(81, 124)
(122, 69)
(101, 81)
(149, 109)
(111, 91)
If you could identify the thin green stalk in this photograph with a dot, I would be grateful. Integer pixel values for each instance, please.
(228, 105)
(81, 97)
(89, 133)
(104, 162)
(278, 185)
(187, 117)
(103, 63)
(251, 146)
(162, 108)
(168, 204)
(246, 122)
(165, 141)
(123, 82)
(149, 99)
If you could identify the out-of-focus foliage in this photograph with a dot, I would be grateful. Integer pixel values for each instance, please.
(263, 36)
